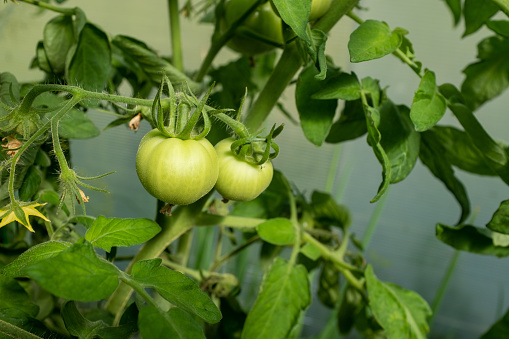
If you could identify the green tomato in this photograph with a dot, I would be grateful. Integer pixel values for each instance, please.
(239, 180)
(176, 171)
(262, 22)
(319, 8)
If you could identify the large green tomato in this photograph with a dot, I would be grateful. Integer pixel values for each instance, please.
(176, 171)
(262, 22)
(239, 180)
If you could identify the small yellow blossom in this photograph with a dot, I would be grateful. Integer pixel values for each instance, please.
(83, 196)
(8, 215)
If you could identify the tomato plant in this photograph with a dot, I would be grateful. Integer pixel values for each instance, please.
(71, 266)
(238, 179)
(259, 33)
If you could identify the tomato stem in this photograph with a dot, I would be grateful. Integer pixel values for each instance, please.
(176, 41)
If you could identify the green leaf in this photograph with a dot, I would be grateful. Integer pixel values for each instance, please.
(30, 184)
(295, 13)
(372, 40)
(77, 125)
(33, 255)
(399, 140)
(9, 89)
(140, 56)
(501, 27)
(470, 239)
(372, 116)
(77, 273)
(428, 106)
(13, 295)
(402, 313)
(500, 220)
(494, 155)
(316, 50)
(81, 327)
(315, 115)
(18, 318)
(58, 37)
(328, 212)
(89, 66)
(311, 251)
(500, 239)
(277, 231)
(432, 155)
(499, 330)
(455, 7)
(176, 324)
(460, 151)
(42, 58)
(476, 14)
(283, 295)
(488, 77)
(106, 233)
(350, 125)
(343, 86)
(176, 288)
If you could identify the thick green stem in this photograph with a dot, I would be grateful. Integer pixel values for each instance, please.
(13, 331)
(218, 263)
(176, 41)
(172, 228)
(45, 5)
(219, 41)
(288, 65)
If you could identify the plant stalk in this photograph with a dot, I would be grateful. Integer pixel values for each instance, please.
(176, 41)
(45, 5)
(16, 332)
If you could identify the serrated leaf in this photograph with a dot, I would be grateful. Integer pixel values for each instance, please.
(90, 64)
(58, 37)
(295, 13)
(284, 294)
(316, 49)
(106, 233)
(402, 313)
(455, 7)
(77, 125)
(461, 151)
(350, 125)
(470, 239)
(9, 89)
(176, 324)
(344, 86)
(176, 288)
(432, 155)
(42, 58)
(277, 231)
(476, 13)
(399, 140)
(488, 77)
(328, 212)
(311, 251)
(428, 105)
(30, 185)
(372, 118)
(494, 155)
(76, 273)
(372, 40)
(13, 295)
(501, 27)
(500, 220)
(315, 115)
(33, 255)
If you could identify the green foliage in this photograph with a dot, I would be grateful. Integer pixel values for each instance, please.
(183, 285)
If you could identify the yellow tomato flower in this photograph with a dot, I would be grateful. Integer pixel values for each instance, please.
(8, 215)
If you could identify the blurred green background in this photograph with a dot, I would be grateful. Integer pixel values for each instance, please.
(404, 249)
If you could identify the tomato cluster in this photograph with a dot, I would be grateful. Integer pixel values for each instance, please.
(179, 172)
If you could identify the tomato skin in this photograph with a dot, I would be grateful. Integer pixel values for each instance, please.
(319, 8)
(263, 21)
(239, 180)
(176, 171)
